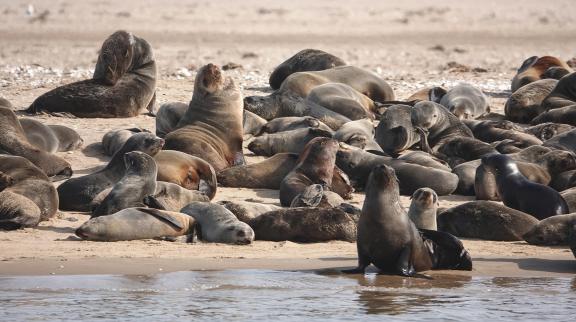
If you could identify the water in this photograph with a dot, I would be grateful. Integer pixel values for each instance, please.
(260, 295)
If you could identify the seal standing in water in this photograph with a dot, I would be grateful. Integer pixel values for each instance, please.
(123, 84)
(76, 194)
(388, 239)
(218, 225)
(211, 128)
(13, 141)
(519, 193)
(135, 224)
(302, 61)
(138, 182)
(423, 209)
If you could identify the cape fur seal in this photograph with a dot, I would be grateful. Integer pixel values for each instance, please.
(302, 61)
(486, 220)
(526, 102)
(14, 141)
(395, 132)
(289, 123)
(465, 101)
(388, 239)
(566, 115)
(138, 182)
(135, 224)
(423, 208)
(123, 84)
(359, 133)
(26, 194)
(532, 69)
(553, 230)
(211, 128)
(168, 117)
(51, 138)
(76, 194)
(292, 141)
(172, 197)
(563, 94)
(246, 211)
(217, 224)
(114, 140)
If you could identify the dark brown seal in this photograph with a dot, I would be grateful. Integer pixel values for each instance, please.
(388, 239)
(302, 61)
(123, 84)
(526, 102)
(395, 132)
(532, 69)
(563, 94)
(553, 230)
(211, 128)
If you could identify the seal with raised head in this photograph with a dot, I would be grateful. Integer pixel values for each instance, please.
(123, 84)
(211, 128)
(26, 194)
(114, 140)
(519, 193)
(423, 208)
(526, 102)
(217, 224)
(388, 239)
(302, 61)
(138, 182)
(465, 101)
(76, 194)
(135, 224)
(553, 230)
(395, 132)
(486, 220)
(292, 141)
(13, 141)
(172, 197)
(532, 69)
(51, 138)
(288, 100)
(306, 225)
(187, 171)
(315, 166)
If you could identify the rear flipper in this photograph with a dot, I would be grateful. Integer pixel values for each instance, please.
(363, 262)
(448, 252)
(404, 266)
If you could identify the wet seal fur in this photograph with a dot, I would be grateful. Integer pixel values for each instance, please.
(211, 128)
(123, 84)
(388, 239)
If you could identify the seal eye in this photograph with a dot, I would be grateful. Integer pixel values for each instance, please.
(435, 115)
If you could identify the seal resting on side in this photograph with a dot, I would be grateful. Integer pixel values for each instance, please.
(51, 138)
(211, 128)
(465, 101)
(533, 68)
(388, 239)
(553, 230)
(123, 84)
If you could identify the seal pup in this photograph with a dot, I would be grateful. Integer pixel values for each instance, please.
(306, 225)
(289, 123)
(138, 182)
(123, 84)
(433, 94)
(172, 197)
(211, 128)
(316, 196)
(315, 166)
(553, 230)
(486, 220)
(423, 208)
(302, 61)
(135, 224)
(359, 133)
(267, 174)
(13, 141)
(76, 194)
(388, 239)
(395, 132)
(519, 193)
(292, 141)
(465, 101)
(526, 102)
(217, 224)
(112, 141)
(168, 117)
(51, 138)
(532, 69)
(187, 171)
(252, 124)
(26, 194)
(245, 211)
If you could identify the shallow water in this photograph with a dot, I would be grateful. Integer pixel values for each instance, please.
(241, 295)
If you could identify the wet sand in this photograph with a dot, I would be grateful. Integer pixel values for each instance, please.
(411, 45)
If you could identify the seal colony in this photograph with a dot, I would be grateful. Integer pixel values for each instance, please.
(327, 129)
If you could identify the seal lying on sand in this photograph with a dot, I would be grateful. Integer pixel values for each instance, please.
(388, 239)
(211, 128)
(136, 223)
(138, 182)
(51, 138)
(26, 194)
(76, 194)
(465, 101)
(553, 230)
(246, 211)
(114, 140)
(395, 132)
(303, 61)
(533, 68)
(285, 142)
(123, 84)
(290, 123)
(526, 102)
(218, 225)
(486, 220)
(172, 197)
(13, 141)
(563, 94)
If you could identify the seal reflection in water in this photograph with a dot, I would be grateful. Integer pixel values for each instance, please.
(388, 239)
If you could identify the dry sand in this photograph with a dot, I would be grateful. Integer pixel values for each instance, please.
(410, 44)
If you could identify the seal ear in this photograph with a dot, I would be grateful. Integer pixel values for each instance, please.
(527, 63)
(436, 94)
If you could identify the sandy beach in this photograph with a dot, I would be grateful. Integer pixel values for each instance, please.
(410, 44)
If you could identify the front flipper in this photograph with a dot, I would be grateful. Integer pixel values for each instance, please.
(424, 146)
(404, 265)
(152, 106)
(154, 202)
(239, 158)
